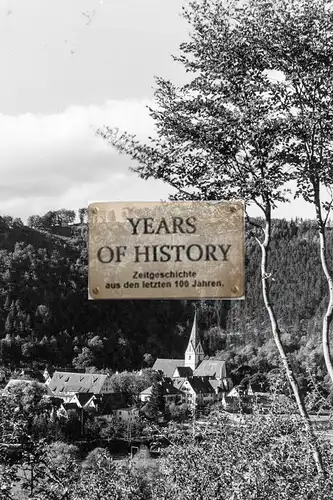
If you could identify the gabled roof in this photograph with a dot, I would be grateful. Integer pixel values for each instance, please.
(146, 392)
(168, 366)
(64, 382)
(178, 382)
(107, 403)
(83, 398)
(183, 371)
(69, 406)
(168, 389)
(216, 384)
(211, 368)
(171, 390)
(200, 385)
(235, 392)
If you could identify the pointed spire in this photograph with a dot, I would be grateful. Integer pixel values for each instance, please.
(194, 338)
(194, 353)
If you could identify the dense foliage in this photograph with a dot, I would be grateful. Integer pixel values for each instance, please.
(46, 318)
(267, 456)
(45, 315)
(250, 457)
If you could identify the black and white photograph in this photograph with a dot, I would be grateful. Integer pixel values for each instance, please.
(166, 249)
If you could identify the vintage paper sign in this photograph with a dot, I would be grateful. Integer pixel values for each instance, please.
(166, 250)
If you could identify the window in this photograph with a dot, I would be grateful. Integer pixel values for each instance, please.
(189, 357)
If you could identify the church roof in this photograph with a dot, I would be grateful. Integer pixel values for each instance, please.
(168, 366)
(211, 368)
(177, 368)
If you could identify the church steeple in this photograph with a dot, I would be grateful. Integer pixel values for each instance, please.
(194, 353)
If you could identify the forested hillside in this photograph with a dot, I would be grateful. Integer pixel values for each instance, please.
(47, 319)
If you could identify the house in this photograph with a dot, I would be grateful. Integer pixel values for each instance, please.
(105, 405)
(108, 404)
(64, 408)
(220, 387)
(169, 391)
(197, 391)
(80, 401)
(112, 400)
(234, 393)
(66, 384)
(84, 400)
(127, 415)
(249, 395)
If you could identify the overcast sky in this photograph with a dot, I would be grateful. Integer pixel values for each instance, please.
(67, 68)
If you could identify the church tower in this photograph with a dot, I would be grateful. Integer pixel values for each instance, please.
(194, 353)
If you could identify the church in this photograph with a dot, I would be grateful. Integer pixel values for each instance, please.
(194, 369)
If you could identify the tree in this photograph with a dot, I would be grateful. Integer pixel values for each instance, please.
(132, 383)
(156, 404)
(17, 223)
(222, 136)
(49, 219)
(8, 219)
(94, 458)
(179, 412)
(83, 213)
(65, 217)
(72, 425)
(266, 457)
(18, 412)
(103, 479)
(35, 222)
(112, 428)
(148, 359)
(54, 469)
(84, 359)
(303, 32)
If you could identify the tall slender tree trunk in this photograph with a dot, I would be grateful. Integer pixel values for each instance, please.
(327, 319)
(264, 246)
